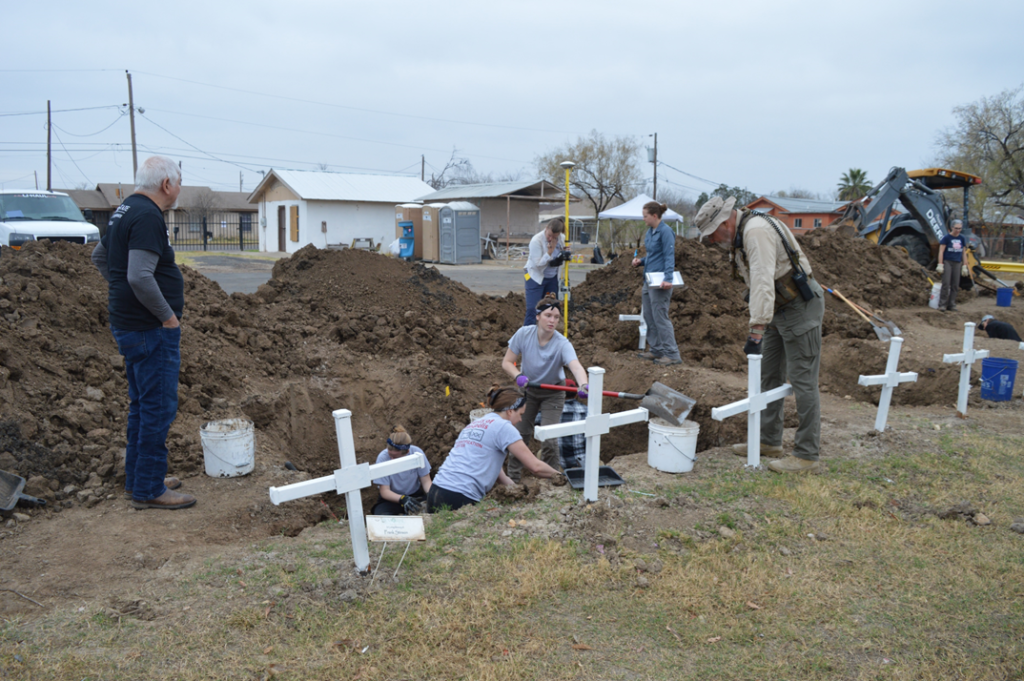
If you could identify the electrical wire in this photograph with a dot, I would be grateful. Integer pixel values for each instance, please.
(71, 158)
(355, 108)
(143, 116)
(53, 111)
(696, 177)
(92, 134)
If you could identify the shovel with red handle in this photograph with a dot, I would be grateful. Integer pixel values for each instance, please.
(660, 400)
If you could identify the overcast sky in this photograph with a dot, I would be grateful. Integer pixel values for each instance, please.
(768, 96)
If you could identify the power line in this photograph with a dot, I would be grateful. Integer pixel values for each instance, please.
(355, 108)
(36, 113)
(92, 134)
(72, 159)
(192, 145)
(696, 177)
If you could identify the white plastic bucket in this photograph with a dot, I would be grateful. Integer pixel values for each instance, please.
(672, 449)
(229, 447)
(933, 298)
(478, 414)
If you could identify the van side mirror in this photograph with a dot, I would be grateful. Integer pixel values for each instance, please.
(87, 213)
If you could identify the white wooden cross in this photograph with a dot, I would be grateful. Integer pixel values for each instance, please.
(966, 359)
(349, 480)
(593, 427)
(755, 403)
(643, 325)
(889, 380)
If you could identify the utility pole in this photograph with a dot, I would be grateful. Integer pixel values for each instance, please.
(423, 167)
(36, 174)
(131, 117)
(49, 156)
(655, 197)
(239, 180)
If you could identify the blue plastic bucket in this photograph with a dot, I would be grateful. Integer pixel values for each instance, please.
(1004, 296)
(997, 376)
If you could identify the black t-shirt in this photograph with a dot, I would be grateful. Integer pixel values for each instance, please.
(138, 224)
(1001, 330)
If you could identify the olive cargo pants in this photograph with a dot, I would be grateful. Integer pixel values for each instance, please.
(792, 348)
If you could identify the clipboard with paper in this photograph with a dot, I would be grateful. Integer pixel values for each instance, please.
(655, 279)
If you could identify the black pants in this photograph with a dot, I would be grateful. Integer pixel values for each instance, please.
(385, 507)
(438, 498)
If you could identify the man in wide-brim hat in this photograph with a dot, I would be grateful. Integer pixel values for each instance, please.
(785, 323)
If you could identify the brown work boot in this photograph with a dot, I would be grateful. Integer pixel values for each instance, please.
(767, 451)
(169, 483)
(169, 500)
(649, 356)
(792, 464)
(667, 361)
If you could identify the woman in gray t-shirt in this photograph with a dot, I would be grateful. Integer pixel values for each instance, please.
(544, 353)
(473, 465)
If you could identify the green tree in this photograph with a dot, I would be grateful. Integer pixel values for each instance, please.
(607, 169)
(743, 196)
(853, 185)
(988, 141)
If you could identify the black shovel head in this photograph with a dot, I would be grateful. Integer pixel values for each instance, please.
(666, 403)
(10, 491)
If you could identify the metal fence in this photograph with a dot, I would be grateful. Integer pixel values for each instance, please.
(237, 233)
(1003, 248)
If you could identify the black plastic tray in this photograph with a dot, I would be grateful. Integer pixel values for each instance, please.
(606, 477)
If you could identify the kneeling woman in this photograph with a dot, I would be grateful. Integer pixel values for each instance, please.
(401, 493)
(474, 463)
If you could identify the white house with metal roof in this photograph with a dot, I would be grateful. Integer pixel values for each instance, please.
(298, 208)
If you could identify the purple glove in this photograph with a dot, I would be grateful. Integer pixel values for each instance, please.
(583, 391)
(522, 380)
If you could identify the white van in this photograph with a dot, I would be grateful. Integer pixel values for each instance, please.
(30, 215)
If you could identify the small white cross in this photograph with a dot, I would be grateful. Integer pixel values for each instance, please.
(889, 380)
(349, 480)
(966, 358)
(643, 325)
(755, 403)
(593, 427)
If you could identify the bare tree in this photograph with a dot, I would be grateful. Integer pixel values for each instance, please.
(607, 170)
(455, 168)
(988, 141)
(323, 167)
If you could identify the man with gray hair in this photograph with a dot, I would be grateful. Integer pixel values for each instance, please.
(146, 298)
(786, 310)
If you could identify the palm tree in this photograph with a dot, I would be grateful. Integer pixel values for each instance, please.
(853, 185)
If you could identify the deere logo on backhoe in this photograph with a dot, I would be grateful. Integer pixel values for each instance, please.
(936, 227)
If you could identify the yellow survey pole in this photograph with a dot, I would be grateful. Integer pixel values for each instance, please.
(568, 166)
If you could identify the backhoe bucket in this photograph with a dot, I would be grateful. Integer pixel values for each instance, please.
(664, 402)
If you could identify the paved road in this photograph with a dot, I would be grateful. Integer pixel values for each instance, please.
(244, 275)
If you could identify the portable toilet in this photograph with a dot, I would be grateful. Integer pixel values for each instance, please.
(459, 233)
(410, 212)
(431, 237)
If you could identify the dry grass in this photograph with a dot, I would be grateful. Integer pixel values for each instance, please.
(885, 590)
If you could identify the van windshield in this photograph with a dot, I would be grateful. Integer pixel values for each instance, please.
(30, 206)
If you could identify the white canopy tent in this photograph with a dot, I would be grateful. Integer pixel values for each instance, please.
(634, 210)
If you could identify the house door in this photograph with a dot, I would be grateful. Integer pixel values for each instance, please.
(281, 230)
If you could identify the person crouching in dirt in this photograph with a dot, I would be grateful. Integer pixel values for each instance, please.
(546, 254)
(145, 302)
(474, 464)
(786, 310)
(401, 493)
(998, 329)
(544, 353)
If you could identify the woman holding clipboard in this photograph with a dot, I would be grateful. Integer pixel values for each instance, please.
(660, 258)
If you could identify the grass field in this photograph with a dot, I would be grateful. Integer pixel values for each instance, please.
(848, 575)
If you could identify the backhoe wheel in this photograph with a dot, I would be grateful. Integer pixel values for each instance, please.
(915, 246)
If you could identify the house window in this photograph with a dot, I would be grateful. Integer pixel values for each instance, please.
(817, 222)
(798, 223)
(245, 221)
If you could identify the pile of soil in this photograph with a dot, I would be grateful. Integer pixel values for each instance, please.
(394, 342)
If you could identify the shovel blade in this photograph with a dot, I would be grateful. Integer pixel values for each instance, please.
(671, 405)
(882, 333)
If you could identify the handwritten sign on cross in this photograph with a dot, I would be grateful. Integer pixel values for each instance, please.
(889, 380)
(593, 427)
(349, 480)
(966, 358)
(755, 403)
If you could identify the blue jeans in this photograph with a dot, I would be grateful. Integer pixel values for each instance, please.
(534, 292)
(151, 362)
